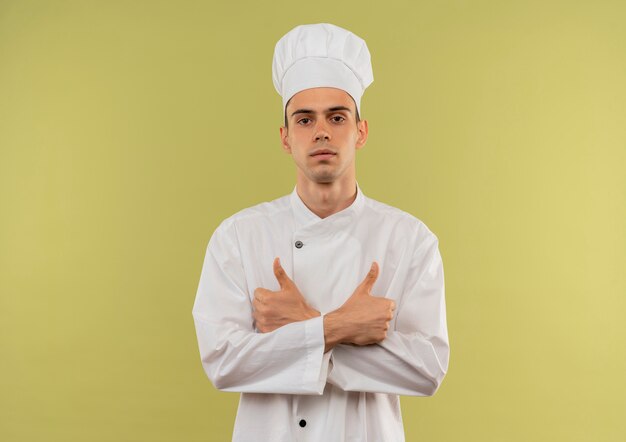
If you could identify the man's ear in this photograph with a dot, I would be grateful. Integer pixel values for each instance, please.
(284, 132)
(362, 136)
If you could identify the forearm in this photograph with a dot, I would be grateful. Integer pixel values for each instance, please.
(414, 356)
(403, 363)
(411, 358)
(288, 360)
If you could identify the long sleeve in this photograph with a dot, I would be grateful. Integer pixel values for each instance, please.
(413, 359)
(290, 359)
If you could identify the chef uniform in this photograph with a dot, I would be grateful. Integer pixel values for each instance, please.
(290, 389)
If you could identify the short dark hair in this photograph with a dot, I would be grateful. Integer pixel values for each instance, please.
(358, 118)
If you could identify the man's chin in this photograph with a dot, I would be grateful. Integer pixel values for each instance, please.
(323, 178)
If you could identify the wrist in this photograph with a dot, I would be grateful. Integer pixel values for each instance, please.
(334, 331)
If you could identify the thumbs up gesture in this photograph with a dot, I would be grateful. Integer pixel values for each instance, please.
(273, 309)
(363, 319)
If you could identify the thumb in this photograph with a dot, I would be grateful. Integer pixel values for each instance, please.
(281, 275)
(370, 278)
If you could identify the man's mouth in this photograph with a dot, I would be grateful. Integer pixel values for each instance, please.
(323, 153)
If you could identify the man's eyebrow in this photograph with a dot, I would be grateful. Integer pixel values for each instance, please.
(330, 109)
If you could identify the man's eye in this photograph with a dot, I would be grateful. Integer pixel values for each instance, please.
(340, 118)
(300, 121)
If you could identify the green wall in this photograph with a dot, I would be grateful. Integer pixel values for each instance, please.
(129, 130)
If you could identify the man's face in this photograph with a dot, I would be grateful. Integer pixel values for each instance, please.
(323, 135)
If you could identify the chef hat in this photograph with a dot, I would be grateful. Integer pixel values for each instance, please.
(321, 55)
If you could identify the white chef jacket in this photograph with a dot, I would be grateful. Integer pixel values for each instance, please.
(290, 389)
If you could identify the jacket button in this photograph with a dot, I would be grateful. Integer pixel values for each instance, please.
(299, 245)
(302, 423)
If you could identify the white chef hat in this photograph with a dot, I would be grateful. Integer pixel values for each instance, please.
(321, 55)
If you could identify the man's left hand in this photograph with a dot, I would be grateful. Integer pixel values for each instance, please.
(275, 309)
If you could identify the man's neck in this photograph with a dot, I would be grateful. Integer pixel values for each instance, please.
(324, 199)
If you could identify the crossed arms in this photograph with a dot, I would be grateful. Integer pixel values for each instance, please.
(362, 320)
(297, 351)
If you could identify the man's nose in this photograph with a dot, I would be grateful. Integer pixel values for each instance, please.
(321, 131)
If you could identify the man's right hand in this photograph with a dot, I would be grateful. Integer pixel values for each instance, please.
(363, 319)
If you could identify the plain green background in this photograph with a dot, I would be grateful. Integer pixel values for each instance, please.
(129, 130)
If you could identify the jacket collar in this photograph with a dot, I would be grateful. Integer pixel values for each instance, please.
(304, 217)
